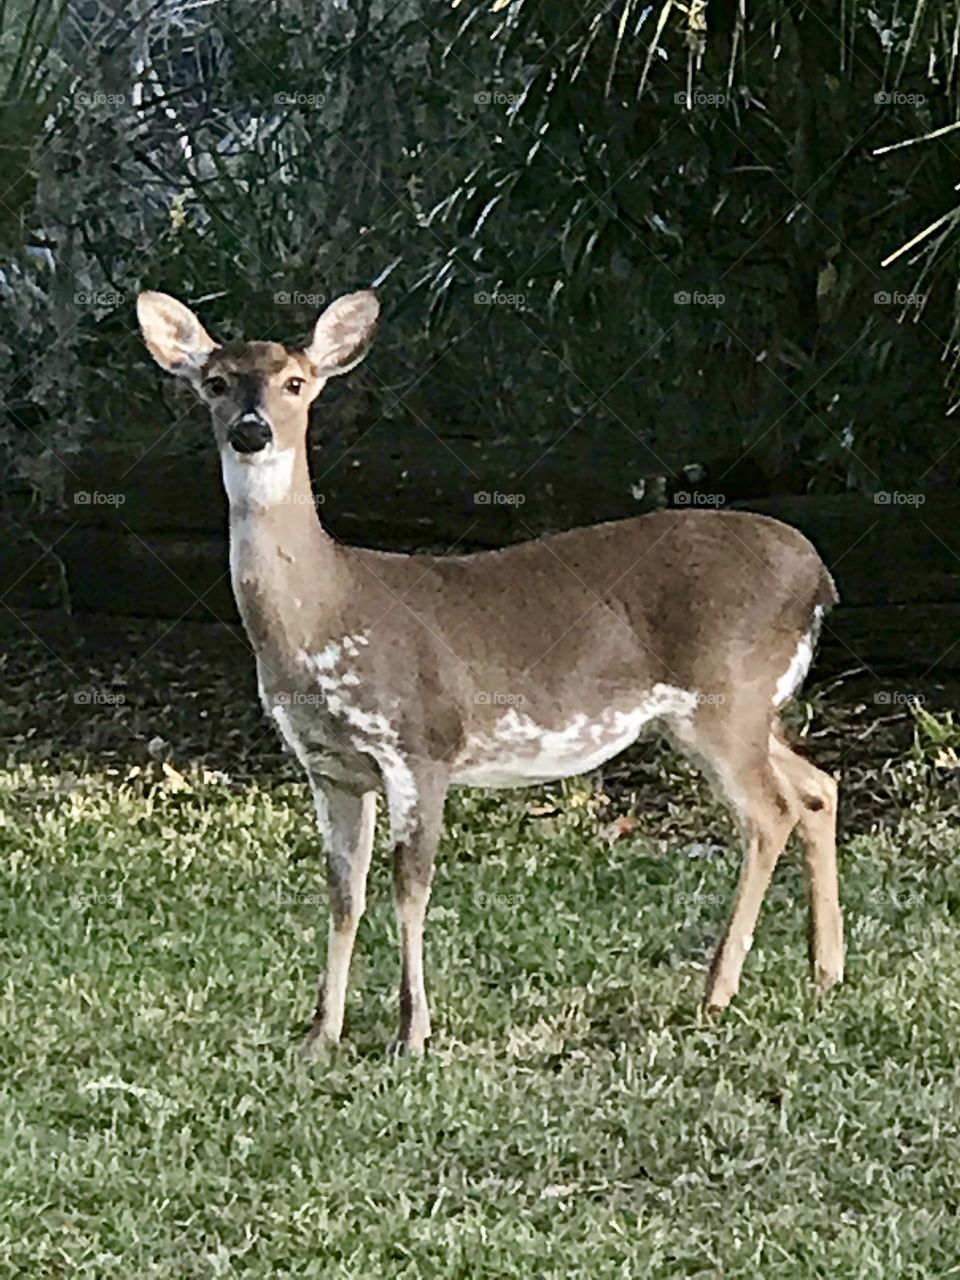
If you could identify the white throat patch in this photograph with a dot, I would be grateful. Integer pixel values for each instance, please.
(261, 479)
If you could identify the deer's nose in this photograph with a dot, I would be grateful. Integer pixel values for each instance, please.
(250, 433)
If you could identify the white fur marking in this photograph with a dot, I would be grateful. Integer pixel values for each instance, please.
(326, 659)
(375, 735)
(399, 782)
(796, 673)
(322, 806)
(262, 479)
(290, 736)
(264, 700)
(519, 751)
(373, 723)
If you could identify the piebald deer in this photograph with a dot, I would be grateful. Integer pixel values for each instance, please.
(386, 674)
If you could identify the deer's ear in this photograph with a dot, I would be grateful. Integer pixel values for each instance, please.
(174, 336)
(343, 334)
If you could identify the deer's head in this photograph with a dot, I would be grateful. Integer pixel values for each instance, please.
(259, 393)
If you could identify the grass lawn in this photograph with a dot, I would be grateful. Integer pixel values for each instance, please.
(161, 934)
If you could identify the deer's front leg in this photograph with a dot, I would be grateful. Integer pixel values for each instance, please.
(347, 823)
(416, 817)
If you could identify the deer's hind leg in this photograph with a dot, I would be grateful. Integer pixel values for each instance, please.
(736, 752)
(816, 792)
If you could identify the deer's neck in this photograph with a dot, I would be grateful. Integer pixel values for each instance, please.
(287, 576)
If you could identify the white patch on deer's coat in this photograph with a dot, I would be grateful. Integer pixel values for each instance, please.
(351, 644)
(371, 733)
(258, 479)
(519, 751)
(262, 694)
(322, 806)
(747, 942)
(796, 673)
(399, 783)
(290, 736)
(255, 484)
(326, 659)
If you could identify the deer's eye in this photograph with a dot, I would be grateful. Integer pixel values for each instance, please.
(293, 385)
(215, 386)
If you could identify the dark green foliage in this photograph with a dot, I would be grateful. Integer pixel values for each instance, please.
(536, 154)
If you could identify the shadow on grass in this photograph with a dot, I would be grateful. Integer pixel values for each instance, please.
(108, 693)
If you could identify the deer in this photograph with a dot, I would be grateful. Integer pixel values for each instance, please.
(397, 677)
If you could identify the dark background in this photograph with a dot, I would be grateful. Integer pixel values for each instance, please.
(624, 263)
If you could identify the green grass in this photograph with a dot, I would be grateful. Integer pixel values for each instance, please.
(160, 948)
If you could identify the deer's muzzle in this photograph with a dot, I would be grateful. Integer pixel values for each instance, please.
(249, 434)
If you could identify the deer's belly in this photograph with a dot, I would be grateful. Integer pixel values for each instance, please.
(518, 752)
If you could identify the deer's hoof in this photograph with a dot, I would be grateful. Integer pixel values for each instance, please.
(710, 1011)
(318, 1045)
(716, 998)
(407, 1047)
(825, 977)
